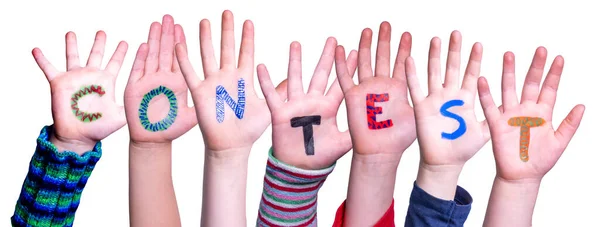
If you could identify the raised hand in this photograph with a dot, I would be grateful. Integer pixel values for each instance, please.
(379, 116)
(525, 144)
(229, 112)
(447, 129)
(305, 132)
(156, 94)
(83, 98)
(381, 123)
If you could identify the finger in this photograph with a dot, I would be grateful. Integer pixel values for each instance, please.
(49, 71)
(153, 48)
(335, 90)
(416, 94)
(453, 60)
(246, 61)
(509, 90)
(318, 83)
(473, 69)
(490, 110)
(365, 71)
(382, 56)
(569, 125)
(179, 38)
(72, 51)
(266, 85)
(167, 44)
(341, 69)
(399, 74)
(227, 41)
(531, 85)
(433, 66)
(97, 52)
(116, 61)
(295, 88)
(187, 70)
(550, 86)
(209, 62)
(137, 70)
(282, 90)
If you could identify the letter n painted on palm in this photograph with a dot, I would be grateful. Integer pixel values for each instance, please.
(224, 97)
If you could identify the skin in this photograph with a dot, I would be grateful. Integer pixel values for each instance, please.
(152, 200)
(442, 159)
(376, 153)
(330, 143)
(227, 144)
(517, 183)
(71, 134)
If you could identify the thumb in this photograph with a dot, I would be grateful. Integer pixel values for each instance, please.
(282, 90)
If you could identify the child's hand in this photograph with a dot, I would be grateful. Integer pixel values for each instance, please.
(447, 129)
(305, 132)
(83, 98)
(156, 93)
(229, 112)
(525, 144)
(379, 117)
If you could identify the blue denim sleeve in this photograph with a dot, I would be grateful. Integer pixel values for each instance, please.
(426, 210)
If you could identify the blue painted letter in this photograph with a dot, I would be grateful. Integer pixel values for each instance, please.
(224, 97)
(462, 127)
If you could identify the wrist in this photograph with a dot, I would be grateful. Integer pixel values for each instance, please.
(439, 181)
(77, 146)
(150, 146)
(524, 185)
(234, 157)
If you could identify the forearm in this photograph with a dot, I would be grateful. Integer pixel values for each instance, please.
(152, 200)
(511, 203)
(290, 194)
(52, 189)
(224, 188)
(371, 188)
(439, 181)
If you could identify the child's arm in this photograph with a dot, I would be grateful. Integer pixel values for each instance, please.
(153, 125)
(306, 140)
(381, 123)
(52, 189)
(525, 144)
(231, 118)
(68, 151)
(448, 133)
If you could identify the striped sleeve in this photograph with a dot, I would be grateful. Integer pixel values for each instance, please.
(290, 194)
(52, 189)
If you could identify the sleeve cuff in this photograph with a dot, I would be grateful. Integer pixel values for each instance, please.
(52, 189)
(425, 208)
(49, 150)
(290, 194)
(387, 220)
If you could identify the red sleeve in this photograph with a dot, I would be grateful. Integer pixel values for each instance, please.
(387, 220)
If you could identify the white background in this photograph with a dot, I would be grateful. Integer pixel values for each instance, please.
(568, 196)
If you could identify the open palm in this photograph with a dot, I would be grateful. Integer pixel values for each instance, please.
(520, 154)
(156, 94)
(83, 98)
(229, 112)
(393, 129)
(447, 129)
(323, 144)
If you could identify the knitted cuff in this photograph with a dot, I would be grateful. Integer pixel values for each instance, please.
(52, 189)
(290, 194)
